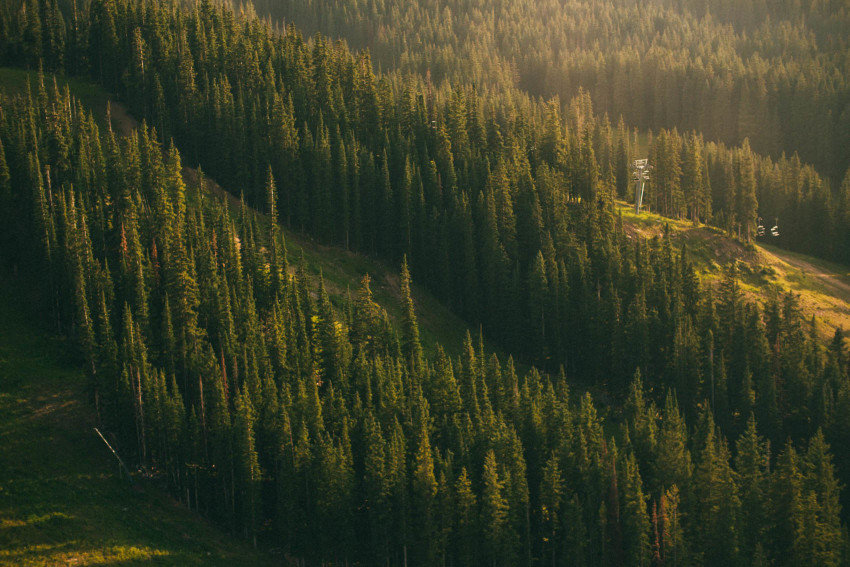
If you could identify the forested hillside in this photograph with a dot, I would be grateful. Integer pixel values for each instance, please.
(772, 71)
(778, 88)
(62, 501)
(327, 430)
(767, 74)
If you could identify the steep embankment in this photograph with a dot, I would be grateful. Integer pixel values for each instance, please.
(822, 288)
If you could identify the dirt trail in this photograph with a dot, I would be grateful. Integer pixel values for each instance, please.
(821, 291)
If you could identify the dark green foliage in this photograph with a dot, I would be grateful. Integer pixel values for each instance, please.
(716, 501)
(332, 431)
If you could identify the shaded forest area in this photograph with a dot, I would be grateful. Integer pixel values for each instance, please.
(328, 431)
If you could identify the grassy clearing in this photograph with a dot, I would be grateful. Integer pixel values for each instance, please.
(343, 271)
(823, 287)
(61, 500)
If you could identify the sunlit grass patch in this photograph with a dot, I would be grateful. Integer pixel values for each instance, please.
(77, 553)
(822, 287)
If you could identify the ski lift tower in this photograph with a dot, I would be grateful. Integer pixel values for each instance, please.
(640, 173)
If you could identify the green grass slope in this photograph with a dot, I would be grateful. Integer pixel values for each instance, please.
(61, 499)
(823, 288)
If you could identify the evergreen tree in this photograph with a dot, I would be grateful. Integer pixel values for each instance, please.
(247, 466)
(717, 505)
(498, 538)
(752, 464)
(551, 500)
(411, 346)
(636, 543)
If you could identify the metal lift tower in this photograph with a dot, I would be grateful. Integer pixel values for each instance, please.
(640, 169)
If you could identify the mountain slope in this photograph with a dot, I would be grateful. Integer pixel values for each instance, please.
(485, 417)
(61, 500)
(342, 270)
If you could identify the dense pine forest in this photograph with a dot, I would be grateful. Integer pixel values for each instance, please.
(774, 71)
(767, 74)
(648, 417)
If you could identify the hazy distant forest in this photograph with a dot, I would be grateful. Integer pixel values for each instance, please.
(479, 146)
